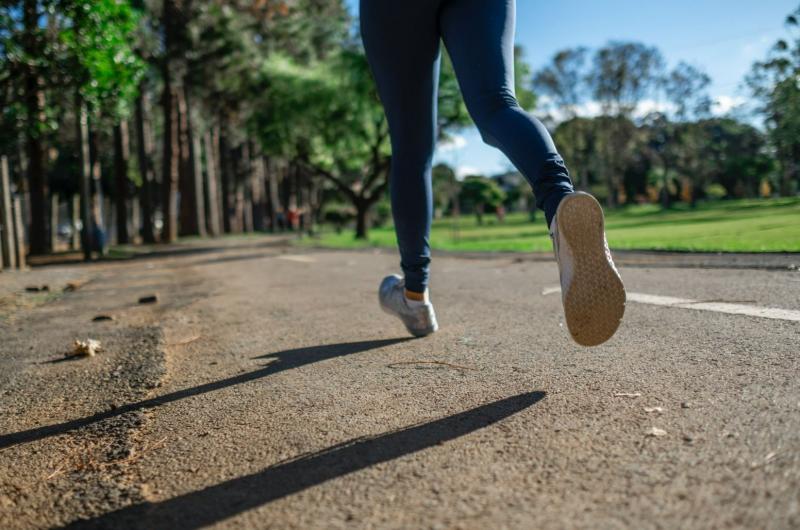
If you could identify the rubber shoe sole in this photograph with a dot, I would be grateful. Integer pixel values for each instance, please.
(595, 299)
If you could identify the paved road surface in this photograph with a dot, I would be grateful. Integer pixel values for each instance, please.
(265, 390)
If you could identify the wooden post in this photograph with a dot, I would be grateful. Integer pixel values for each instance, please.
(6, 218)
(19, 232)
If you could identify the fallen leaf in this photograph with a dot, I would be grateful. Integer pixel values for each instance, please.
(85, 348)
(655, 431)
(74, 285)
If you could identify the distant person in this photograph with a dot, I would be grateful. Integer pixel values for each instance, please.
(402, 42)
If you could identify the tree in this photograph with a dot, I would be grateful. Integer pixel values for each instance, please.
(578, 142)
(481, 194)
(686, 90)
(328, 118)
(622, 75)
(105, 72)
(774, 82)
(445, 188)
(563, 80)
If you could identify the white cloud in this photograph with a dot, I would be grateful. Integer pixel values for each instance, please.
(465, 171)
(724, 104)
(455, 142)
(593, 109)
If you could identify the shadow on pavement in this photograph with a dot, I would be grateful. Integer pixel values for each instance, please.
(155, 251)
(283, 360)
(227, 499)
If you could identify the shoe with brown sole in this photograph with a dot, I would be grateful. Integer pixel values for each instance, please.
(591, 287)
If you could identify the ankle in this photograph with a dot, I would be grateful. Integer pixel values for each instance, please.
(414, 298)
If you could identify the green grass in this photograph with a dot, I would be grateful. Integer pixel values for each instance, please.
(767, 225)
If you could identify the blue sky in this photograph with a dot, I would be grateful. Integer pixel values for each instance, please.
(721, 37)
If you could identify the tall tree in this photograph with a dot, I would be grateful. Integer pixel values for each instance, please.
(563, 81)
(622, 75)
(33, 46)
(774, 82)
(686, 89)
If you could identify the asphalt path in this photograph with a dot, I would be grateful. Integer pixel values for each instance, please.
(265, 389)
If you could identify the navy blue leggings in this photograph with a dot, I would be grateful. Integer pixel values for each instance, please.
(401, 38)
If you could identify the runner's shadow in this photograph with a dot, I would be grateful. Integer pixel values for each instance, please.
(218, 502)
(284, 360)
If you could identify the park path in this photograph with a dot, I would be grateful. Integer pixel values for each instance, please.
(287, 400)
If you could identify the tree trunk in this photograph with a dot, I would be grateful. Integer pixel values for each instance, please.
(665, 188)
(75, 217)
(97, 203)
(144, 144)
(225, 181)
(121, 156)
(257, 191)
(272, 189)
(197, 173)
(169, 181)
(86, 178)
(171, 133)
(7, 245)
(54, 203)
(191, 196)
(244, 193)
(362, 218)
(212, 184)
(34, 106)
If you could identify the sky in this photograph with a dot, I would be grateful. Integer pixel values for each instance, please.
(722, 37)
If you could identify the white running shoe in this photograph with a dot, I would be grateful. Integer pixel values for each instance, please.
(419, 318)
(591, 287)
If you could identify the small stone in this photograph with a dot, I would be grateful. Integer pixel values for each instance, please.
(653, 409)
(685, 405)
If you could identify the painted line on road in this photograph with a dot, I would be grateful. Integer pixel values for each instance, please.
(700, 305)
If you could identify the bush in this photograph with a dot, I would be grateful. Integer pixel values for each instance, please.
(338, 215)
(716, 191)
(382, 213)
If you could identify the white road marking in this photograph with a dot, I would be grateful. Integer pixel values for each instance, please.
(299, 259)
(699, 305)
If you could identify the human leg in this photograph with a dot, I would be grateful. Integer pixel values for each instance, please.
(402, 44)
(479, 36)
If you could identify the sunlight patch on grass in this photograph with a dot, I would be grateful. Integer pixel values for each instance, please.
(727, 226)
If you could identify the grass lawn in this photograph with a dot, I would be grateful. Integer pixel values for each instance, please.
(767, 225)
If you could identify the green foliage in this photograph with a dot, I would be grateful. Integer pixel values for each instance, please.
(480, 195)
(97, 37)
(445, 187)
